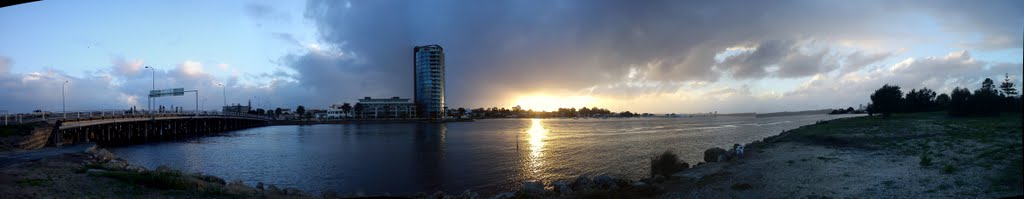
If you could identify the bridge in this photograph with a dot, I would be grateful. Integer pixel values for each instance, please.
(117, 127)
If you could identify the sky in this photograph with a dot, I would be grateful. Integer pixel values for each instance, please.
(648, 56)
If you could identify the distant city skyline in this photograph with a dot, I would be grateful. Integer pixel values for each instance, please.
(655, 56)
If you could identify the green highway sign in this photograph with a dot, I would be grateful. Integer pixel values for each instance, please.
(167, 92)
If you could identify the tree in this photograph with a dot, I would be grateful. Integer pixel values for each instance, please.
(1008, 87)
(920, 100)
(986, 100)
(301, 110)
(277, 112)
(346, 107)
(959, 102)
(942, 102)
(886, 100)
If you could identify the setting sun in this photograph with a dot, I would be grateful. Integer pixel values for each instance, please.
(552, 103)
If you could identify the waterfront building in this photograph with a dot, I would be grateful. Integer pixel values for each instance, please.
(428, 72)
(385, 108)
(237, 108)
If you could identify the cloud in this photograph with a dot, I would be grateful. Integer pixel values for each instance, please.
(496, 47)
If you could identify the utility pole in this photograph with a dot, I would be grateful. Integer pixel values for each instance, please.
(224, 90)
(63, 108)
(151, 100)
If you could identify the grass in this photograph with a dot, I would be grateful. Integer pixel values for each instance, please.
(16, 130)
(33, 182)
(155, 179)
(992, 145)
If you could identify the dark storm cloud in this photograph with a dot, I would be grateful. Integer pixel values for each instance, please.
(497, 46)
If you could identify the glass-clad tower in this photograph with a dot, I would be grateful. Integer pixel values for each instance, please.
(428, 69)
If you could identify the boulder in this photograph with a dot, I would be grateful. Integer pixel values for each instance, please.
(438, 195)
(607, 182)
(503, 195)
(104, 155)
(469, 195)
(115, 165)
(562, 188)
(658, 179)
(715, 155)
(294, 192)
(329, 194)
(533, 187)
(274, 190)
(212, 179)
(259, 185)
(582, 183)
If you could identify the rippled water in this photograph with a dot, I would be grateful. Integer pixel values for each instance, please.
(484, 156)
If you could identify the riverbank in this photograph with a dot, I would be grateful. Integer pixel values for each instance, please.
(922, 155)
(913, 155)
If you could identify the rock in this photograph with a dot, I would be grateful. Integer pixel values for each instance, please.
(658, 179)
(503, 195)
(294, 192)
(274, 190)
(562, 187)
(91, 149)
(605, 182)
(329, 194)
(533, 187)
(104, 155)
(259, 185)
(582, 183)
(115, 165)
(438, 195)
(715, 155)
(644, 188)
(163, 168)
(135, 168)
(469, 195)
(96, 171)
(237, 183)
(213, 179)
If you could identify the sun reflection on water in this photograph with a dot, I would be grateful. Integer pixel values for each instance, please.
(537, 133)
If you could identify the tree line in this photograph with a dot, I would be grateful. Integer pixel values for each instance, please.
(988, 100)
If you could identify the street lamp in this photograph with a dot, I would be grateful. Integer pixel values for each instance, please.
(63, 108)
(151, 100)
(224, 91)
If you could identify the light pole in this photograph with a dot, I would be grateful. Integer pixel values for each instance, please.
(224, 91)
(151, 100)
(63, 108)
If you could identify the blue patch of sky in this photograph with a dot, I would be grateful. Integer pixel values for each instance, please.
(82, 36)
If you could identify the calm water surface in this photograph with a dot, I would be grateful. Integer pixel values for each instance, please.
(485, 156)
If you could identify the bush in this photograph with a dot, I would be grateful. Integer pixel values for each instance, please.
(948, 169)
(925, 160)
(666, 164)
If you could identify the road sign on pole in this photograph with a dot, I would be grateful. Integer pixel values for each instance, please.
(167, 92)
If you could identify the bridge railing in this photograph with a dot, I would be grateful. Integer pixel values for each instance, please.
(22, 118)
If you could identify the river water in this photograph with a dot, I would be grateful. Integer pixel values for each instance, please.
(484, 156)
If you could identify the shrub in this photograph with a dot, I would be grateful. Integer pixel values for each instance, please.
(948, 169)
(925, 160)
(667, 164)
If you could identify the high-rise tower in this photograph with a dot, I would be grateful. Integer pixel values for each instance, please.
(428, 72)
